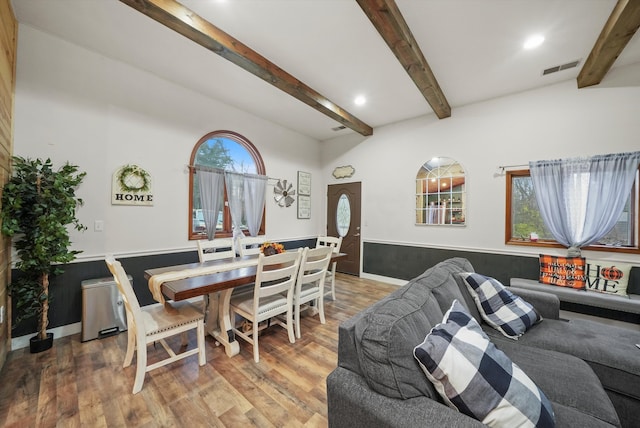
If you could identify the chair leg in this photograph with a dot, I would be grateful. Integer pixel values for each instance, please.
(321, 309)
(292, 338)
(333, 286)
(254, 336)
(141, 368)
(333, 281)
(131, 346)
(202, 357)
(296, 317)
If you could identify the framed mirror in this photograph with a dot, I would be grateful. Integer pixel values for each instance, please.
(440, 193)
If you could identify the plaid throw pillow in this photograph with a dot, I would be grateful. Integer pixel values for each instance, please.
(563, 271)
(501, 309)
(476, 378)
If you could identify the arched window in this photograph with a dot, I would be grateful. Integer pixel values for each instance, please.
(225, 150)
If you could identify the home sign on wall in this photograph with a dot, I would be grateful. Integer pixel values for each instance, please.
(131, 185)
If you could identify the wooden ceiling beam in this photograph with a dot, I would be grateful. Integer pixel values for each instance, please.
(386, 17)
(616, 33)
(186, 22)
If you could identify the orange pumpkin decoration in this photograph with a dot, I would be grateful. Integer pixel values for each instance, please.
(611, 273)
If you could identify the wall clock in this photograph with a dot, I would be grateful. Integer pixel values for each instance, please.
(283, 193)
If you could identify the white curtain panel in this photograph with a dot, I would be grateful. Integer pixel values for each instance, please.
(235, 195)
(255, 190)
(581, 199)
(211, 197)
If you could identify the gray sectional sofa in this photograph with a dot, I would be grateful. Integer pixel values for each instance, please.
(589, 372)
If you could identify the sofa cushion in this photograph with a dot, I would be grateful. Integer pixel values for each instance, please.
(385, 338)
(609, 350)
(568, 382)
(506, 312)
(563, 271)
(442, 283)
(389, 330)
(476, 378)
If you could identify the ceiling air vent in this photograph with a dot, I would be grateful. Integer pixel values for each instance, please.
(560, 67)
(339, 128)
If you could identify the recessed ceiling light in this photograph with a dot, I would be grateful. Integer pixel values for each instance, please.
(360, 100)
(533, 42)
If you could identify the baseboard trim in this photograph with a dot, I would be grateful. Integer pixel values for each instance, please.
(385, 279)
(58, 332)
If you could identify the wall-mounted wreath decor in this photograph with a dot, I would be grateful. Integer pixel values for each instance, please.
(283, 193)
(131, 185)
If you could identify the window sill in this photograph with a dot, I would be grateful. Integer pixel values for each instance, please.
(550, 244)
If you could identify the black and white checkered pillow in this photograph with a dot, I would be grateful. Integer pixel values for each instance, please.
(476, 378)
(501, 309)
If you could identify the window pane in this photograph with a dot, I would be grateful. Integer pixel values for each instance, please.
(223, 153)
(230, 152)
(343, 215)
(526, 219)
(621, 234)
(525, 215)
(227, 154)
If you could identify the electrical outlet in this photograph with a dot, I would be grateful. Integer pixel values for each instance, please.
(98, 226)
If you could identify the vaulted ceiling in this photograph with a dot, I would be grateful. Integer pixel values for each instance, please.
(301, 63)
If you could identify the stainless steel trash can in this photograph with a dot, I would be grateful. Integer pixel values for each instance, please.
(103, 311)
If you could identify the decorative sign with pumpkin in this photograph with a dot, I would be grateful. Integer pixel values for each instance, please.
(607, 277)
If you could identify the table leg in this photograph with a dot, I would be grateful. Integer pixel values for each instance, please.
(219, 323)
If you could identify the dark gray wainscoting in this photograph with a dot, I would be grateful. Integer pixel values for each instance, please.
(407, 262)
(66, 290)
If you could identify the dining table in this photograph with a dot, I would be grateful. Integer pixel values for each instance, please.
(216, 281)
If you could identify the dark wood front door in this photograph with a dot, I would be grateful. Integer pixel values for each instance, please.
(343, 219)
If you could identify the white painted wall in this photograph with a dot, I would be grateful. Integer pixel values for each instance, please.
(74, 105)
(554, 122)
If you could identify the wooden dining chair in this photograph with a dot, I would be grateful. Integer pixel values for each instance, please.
(310, 283)
(335, 243)
(272, 297)
(248, 245)
(150, 324)
(216, 249)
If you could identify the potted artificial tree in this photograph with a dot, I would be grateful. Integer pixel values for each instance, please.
(38, 203)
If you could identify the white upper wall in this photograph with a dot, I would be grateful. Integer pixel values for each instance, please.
(74, 105)
(554, 122)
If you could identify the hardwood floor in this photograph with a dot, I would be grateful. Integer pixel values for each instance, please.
(79, 384)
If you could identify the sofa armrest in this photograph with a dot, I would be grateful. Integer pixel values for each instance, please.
(547, 304)
(352, 403)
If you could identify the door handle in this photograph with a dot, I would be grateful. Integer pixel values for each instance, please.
(357, 234)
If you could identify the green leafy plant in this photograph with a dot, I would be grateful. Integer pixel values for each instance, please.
(38, 203)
